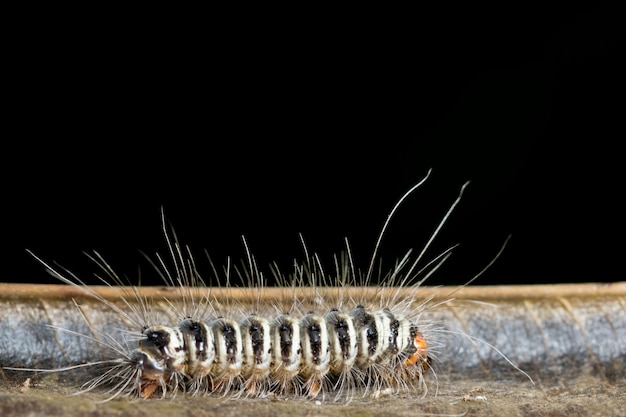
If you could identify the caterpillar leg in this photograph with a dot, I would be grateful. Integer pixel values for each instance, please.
(147, 389)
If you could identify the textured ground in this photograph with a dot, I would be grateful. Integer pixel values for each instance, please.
(584, 396)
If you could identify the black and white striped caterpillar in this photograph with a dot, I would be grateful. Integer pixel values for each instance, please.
(313, 340)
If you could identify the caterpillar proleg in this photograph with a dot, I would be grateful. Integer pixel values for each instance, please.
(312, 339)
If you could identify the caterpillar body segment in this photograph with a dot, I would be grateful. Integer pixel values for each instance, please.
(257, 351)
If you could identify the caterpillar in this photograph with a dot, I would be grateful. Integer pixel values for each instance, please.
(313, 339)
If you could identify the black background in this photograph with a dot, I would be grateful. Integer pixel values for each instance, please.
(318, 126)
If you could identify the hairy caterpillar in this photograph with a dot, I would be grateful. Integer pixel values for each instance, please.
(312, 340)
